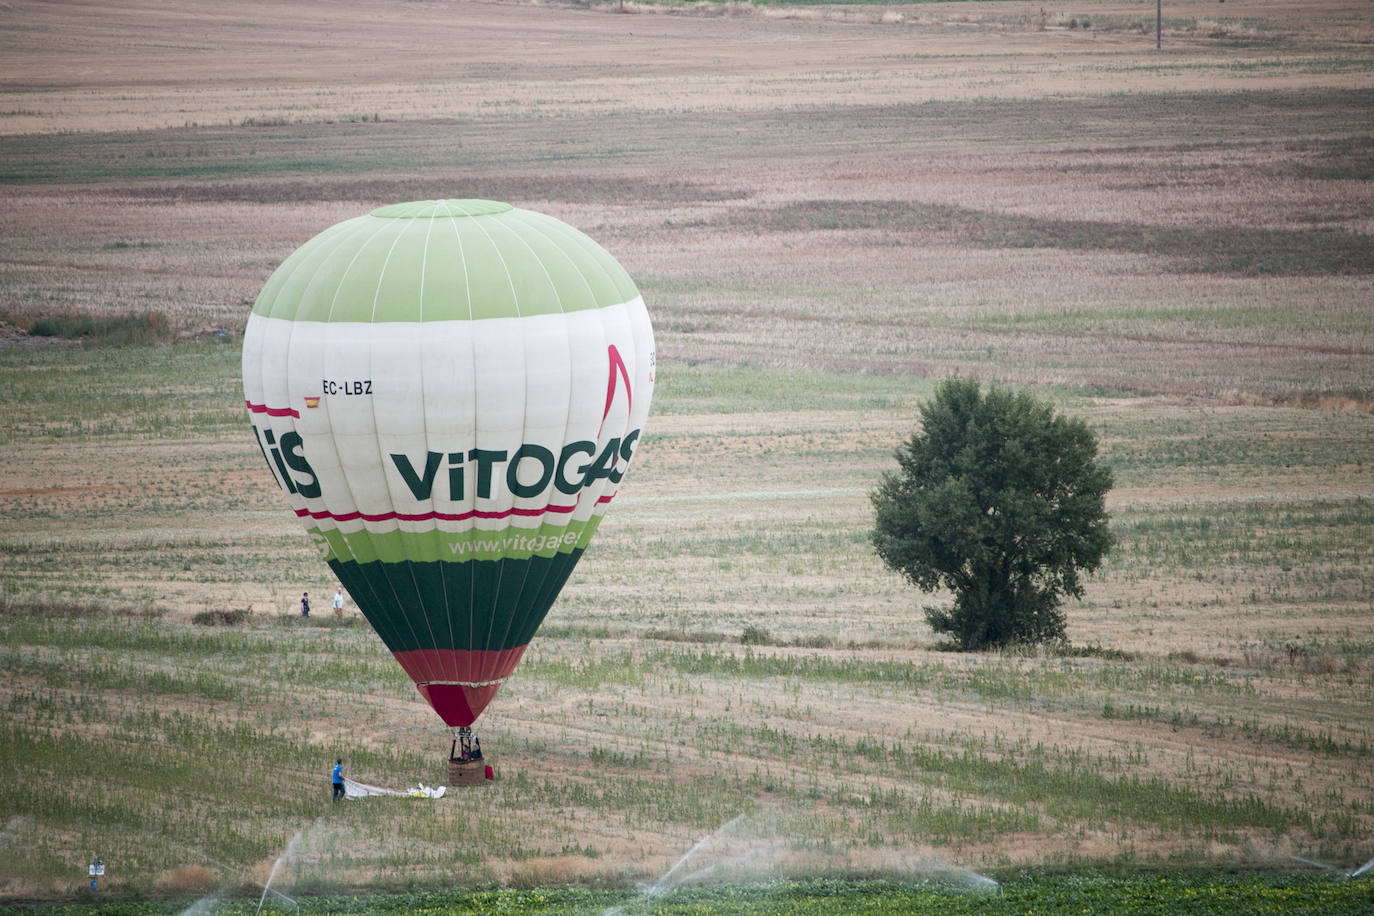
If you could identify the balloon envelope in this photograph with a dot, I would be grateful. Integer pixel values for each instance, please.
(449, 393)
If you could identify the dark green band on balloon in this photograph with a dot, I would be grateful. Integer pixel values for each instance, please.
(473, 605)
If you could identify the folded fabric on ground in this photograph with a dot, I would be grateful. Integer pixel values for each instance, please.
(355, 789)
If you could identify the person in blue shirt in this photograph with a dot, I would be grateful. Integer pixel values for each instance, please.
(338, 779)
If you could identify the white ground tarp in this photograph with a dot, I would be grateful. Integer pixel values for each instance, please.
(355, 789)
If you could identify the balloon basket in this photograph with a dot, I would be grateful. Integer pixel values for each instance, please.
(466, 767)
(469, 772)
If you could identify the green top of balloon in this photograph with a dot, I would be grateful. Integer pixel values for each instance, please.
(442, 209)
(444, 260)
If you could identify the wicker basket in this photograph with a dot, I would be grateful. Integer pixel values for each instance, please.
(468, 772)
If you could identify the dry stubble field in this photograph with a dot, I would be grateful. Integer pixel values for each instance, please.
(827, 209)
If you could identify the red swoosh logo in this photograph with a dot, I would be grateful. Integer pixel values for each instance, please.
(617, 370)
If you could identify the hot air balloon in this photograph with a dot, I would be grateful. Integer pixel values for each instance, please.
(449, 393)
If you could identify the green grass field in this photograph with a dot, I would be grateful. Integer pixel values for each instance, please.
(760, 666)
(828, 210)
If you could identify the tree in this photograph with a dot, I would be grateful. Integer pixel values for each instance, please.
(1001, 501)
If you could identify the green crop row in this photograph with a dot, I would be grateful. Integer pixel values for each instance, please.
(1185, 894)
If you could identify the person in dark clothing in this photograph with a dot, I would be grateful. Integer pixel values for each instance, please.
(305, 604)
(338, 779)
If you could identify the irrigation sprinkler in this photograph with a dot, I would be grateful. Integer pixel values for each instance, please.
(1350, 873)
(267, 888)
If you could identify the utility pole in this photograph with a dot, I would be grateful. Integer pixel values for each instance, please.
(1159, 21)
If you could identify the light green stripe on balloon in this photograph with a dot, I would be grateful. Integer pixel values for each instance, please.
(441, 546)
(434, 260)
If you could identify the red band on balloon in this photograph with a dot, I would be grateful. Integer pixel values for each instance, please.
(459, 683)
(458, 705)
(272, 411)
(442, 516)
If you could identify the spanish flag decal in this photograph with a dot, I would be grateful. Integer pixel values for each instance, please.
(312, 401)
